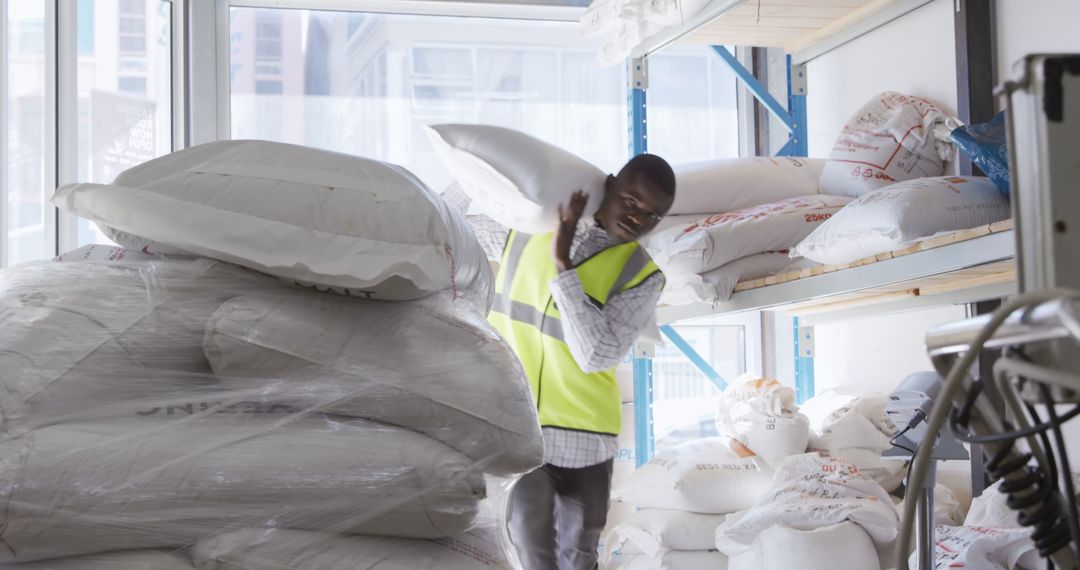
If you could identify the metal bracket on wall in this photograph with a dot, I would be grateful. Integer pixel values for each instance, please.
(643, 399)
(804, 362)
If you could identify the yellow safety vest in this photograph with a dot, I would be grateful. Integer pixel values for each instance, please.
(525, 315)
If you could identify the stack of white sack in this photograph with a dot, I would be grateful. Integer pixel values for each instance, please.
(156, 401)
(683, 495)
(732, 219)
(821, 513)
(857, 430)
(762, 415)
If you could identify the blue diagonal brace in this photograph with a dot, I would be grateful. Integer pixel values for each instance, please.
(760, 92)
(693, 356)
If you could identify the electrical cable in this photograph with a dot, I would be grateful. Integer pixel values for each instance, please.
(952, 383)
(1070, 488)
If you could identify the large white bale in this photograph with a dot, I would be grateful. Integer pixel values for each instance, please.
(858, 432)
(514, 178)
(983, 548)
(652, 531)
(82, 488)
(271, 549)
(762, 415)
(83, 335)
(892, 138)
(844, 546)
(714, 241)
(811, 492)
(900, 215)
(124, 560)
(314, 217)
(713, 476)
(732, 184)
(446, 374)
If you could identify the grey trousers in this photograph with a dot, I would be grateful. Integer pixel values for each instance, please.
(557, 514)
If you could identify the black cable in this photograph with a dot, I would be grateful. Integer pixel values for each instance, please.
(966, 437)
(1070, 488)
(902, 432)
(1051, 457)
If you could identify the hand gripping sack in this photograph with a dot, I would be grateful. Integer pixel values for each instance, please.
(317, 218)
(710, 476)
(131, 483)
(514, 178)
(445, 374)
(892, 138)
(903, 214)
(717, 240)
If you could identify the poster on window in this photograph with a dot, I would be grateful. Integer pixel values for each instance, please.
(122, 134)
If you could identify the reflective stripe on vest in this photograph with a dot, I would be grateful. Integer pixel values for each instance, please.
(525, 315)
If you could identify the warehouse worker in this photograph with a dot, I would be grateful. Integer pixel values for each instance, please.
(571, 303)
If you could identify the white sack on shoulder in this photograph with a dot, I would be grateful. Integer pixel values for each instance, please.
(652, 531)
(336, 222)
(259, 549)
(516, 179)
(82, 488)
(731, 184)
(712, 476)
(892, 138)
(717, 240)
(898, 216)
(844, 546)
(77, 337)
(124, 560)
(447, 375)
(716, 286)
(810, 492)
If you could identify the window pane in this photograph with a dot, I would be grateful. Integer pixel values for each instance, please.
(693, 106)
(125, 108)
(22, 166)
(367, 84)
(684, 401)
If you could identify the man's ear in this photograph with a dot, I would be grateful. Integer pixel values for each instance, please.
(609, 184)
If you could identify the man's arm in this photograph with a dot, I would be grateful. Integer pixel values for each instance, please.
(600, 337)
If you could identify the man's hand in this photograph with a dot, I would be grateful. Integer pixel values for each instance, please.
(564, 234)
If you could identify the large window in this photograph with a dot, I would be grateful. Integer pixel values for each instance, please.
(124, 91)
(24, 180)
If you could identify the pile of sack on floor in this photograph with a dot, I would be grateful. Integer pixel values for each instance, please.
(881, 189)
(285, 365)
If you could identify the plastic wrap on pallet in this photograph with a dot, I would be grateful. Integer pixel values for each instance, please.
(121, 428)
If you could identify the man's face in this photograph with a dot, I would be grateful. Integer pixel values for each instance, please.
(631, 208)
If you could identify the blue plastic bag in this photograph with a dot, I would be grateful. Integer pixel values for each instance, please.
(986, 145)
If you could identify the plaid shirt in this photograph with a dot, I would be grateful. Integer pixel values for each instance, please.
(598, 337)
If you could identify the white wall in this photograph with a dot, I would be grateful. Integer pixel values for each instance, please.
(1035, 26)
(914, 55)
(874, 354)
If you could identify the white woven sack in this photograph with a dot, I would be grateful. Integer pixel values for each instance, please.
(982, 548)
(892, 138)
(449, 376)
(858, 433)
(652, 531)
(762, 415)
(79, 337)
(318, 218)
(716, 286)
(514, 178)
(82, 488)
(714, 476)
(670, 560)
(732, 184)
(259, 549)
(717, 240)
(124, 560)
(900, 215)
(844, 546)
(810, 492)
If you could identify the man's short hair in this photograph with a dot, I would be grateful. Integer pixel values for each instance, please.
(655, 170)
